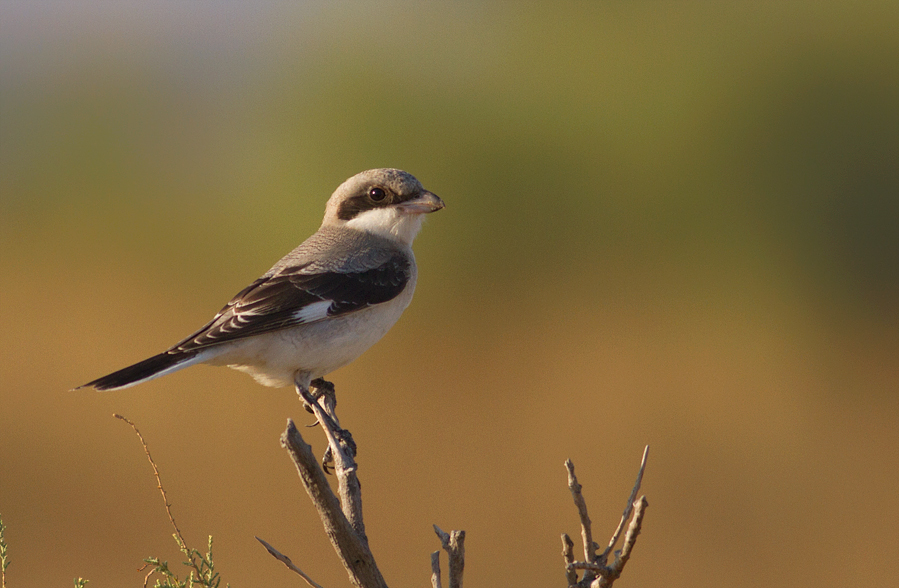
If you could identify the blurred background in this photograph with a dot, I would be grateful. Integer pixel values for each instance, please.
(673, 224)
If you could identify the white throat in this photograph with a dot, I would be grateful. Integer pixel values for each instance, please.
(389, 223)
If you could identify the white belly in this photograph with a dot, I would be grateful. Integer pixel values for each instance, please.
(314, 349)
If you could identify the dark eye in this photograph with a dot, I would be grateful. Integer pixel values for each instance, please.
(377, 194)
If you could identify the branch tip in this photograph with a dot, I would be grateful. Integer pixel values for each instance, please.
(435, 570)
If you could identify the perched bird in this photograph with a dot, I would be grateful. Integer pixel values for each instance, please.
(324, 303)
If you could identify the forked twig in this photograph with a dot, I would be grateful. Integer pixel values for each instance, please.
(597, 571)
(352, 549)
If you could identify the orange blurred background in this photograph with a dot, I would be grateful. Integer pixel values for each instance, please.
(670, 224)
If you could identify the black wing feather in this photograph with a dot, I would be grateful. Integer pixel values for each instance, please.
(271, 303)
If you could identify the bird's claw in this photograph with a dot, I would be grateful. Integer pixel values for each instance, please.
(346, 442)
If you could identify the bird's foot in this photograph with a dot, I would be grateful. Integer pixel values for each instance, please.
(320, 399)
(319, 388)
(347, 444)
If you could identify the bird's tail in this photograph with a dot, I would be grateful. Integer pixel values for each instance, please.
(158, 365)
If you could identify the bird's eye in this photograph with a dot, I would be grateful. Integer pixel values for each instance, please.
(377, 194)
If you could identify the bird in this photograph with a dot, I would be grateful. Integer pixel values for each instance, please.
(324, 303)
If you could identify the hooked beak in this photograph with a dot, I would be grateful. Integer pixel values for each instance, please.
(424, 203)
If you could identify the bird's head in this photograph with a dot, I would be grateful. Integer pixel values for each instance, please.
(386, 202)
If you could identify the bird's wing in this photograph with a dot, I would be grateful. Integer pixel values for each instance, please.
(302, 294)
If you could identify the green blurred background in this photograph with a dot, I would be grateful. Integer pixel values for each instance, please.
(667, 223)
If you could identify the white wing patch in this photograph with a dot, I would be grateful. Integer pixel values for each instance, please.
(315, 311)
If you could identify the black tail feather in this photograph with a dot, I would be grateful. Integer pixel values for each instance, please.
(139, 372)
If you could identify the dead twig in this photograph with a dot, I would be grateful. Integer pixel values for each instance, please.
(630, 538)
(435, 570)
(341, 516)
(323, 402)
(192, 562)
(630, 504)
(352, 548)
(168, 505)
(568, 556)
(581, 504)
(286, 561)
(454, 545)
(597, 572)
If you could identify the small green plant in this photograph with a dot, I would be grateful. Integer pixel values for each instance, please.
(202, 573)
(80, 582)
(4, 556)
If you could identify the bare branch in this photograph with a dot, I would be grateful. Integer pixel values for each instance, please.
(586, 565)
(323, 403)
(342, 518)
(350, 547)
(597, 574)
(586, 524)
(454, 545)
(630, 505)
(286, 561)
(630, 538)
(435, 570)
(568, 556)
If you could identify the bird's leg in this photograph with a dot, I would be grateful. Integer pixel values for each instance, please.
(326, 396)
(320, 399)
(303, 385)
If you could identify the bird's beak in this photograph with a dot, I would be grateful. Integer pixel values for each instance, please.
(424, 203)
